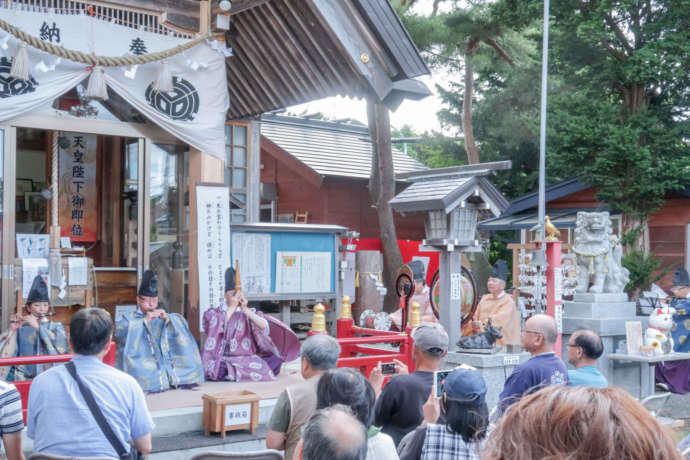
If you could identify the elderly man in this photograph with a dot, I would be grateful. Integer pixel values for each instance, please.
(298, 402)
(675, 375)
(543, 368)
(61, 422)
(399, 407)
(333, 434)
(584, 348)
(498, 306)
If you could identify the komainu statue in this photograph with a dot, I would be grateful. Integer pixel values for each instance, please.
(599, 255)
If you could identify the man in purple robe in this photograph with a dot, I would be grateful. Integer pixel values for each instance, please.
(243, 344)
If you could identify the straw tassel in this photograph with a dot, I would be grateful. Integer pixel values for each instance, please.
(164, 81)
(357, 279)
(97, 88)
(20, 63)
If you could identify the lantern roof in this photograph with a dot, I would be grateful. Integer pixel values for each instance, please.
(448, 188)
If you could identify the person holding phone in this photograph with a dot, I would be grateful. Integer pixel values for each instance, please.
(399, 404)
(463, 434)
(32, 334)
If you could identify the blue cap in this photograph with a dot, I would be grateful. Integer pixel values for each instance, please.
(465, 385)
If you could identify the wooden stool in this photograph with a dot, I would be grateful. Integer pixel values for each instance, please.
(231, 410)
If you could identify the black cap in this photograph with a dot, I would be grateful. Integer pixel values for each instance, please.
(149, 285)
(39, 291)
(230, 279)
(500, 270)
(417, 267)
(681, 278)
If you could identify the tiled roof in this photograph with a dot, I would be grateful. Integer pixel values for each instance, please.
(330, 148)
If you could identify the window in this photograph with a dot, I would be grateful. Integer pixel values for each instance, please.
(236, 146)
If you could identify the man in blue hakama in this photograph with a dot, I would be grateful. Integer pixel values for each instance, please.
(32, 334)
(156, 347)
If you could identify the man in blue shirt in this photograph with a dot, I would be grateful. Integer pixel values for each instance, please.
(584, 348)
(542, 369)
(59, 420)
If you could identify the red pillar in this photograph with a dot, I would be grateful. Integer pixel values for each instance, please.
(554, 303)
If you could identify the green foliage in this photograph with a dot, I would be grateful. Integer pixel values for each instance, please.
(642, 270)
(619, 92)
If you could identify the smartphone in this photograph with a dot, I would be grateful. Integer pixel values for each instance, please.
(388, 368)
(440, 376)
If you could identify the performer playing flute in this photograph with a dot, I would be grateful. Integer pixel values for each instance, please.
(32, 334)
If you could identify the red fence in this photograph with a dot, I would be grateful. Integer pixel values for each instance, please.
(23, 386)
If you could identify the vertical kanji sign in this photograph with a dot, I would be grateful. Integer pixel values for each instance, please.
(213, 243)
(78, 218)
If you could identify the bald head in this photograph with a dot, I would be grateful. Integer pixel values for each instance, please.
(334, 434)
(545, 325)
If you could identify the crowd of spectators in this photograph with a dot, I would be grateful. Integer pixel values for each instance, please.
(544, 410)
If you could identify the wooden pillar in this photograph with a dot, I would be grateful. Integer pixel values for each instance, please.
(367, 296)
(202, 168)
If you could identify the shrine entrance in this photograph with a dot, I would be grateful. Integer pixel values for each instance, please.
(122, 206)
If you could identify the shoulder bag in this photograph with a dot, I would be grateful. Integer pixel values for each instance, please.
(103, 424)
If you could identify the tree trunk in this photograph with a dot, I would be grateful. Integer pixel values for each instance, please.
(641, 243)
(381, 191)
(467, 130)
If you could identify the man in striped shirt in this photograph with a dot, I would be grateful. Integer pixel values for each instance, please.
(11, 422)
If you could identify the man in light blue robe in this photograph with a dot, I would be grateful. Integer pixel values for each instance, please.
(156, 347)
(32, 334)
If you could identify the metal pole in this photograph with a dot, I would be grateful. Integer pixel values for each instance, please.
(542, 127)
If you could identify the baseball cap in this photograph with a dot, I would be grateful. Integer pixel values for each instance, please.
(431, 338)
(465, 385)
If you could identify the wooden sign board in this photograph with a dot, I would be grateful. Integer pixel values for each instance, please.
(228, 411)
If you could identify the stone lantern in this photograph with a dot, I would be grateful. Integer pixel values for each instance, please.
(454, 199)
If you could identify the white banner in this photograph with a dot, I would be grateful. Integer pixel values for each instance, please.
(213, 244)
(194, 111)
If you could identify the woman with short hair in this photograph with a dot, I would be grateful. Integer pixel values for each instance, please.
(467, 416)
(580, 423)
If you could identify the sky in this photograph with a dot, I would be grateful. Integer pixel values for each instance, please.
(420, 115)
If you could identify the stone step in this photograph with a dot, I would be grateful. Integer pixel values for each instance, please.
(170, 422)
(602, 326)
(184, 446)
(603, 297)
(183, 423)
(598, 309)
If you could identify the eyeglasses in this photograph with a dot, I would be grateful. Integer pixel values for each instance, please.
(571, 345)
(526, 331)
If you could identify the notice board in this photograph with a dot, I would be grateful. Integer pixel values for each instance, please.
(276, 261)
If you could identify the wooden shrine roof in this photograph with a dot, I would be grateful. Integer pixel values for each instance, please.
(330, 148)
(288, 52)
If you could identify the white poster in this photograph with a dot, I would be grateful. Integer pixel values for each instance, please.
(194, 111)
(32, 245)
(213, 244)
(30, 269)
(253, 250)
(301, 272)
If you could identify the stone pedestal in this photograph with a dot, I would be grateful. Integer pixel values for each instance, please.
(495, 369)
(606, 315)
